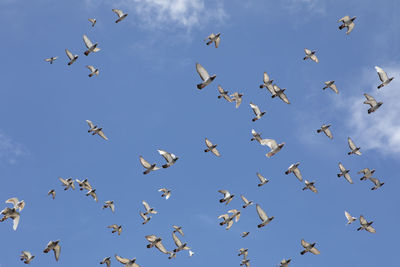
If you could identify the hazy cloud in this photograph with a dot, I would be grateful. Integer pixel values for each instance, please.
(10, 150)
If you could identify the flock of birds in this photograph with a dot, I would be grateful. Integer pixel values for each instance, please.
(233, 215)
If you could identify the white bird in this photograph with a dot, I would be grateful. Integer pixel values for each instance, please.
(367, 173)
(310, 55)
(93, 21)
(148, 209)
(280, 93)
(149, 167)
(354, 149)
(16, 203)
(92, 193)
(106, 261)
(109, 204)
(256, 111)
(90, 46)
(237, 98)
(246, 202)
(263, 216)
(83, 184)
(295, 170)
(345, 173)
(310, 185)
(11, 213)
(120, 14)
(207, 79)
(51, 59)
(55, 246)
(115, 228)
(69, 183)
(27, 257)
(309, 248)
(285, 263)
(330, 84)
(273, 145)
(349, 218)
(224, 94)
(144, 217)
(325, 128)
(52, 192)
(383, 77)
(211, 147)
(72, 57)
(213, 38)
(178, 229)
(191, 253)
(93, 70)
(169, 157)
(372, 102)
(96, 130)
(257, 137)
(267, 83)
(262, 179)
(127, 262)
(227, 196)
(365, 225)
(347, 23)
(244, 234)
(166, 193)
(376, 182)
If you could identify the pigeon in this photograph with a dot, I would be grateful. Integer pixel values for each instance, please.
(166, 192)
(116, 228)
(280, 93)
(224, 94)
(285, 263)
(383, 77)
(93, 70)
(354, 149)
(106, 261)
(245, 262)
(149, 167)
(295, 170)
(227, 197)
(263, 180)
(376, 182)
(310, 55)
(26, 256)
(179, 245)
(372, 102)
(309, 248)
(263, 216)
(148, 209)
(69, 183)
(109, 204)
(127, 262)
(365, 225)
(52, 192)
(156, 241)
(275, 148)
(212, 148)
(207, 79)
(325, 128)
(330, 84)
(267, 83)
(55, 246)
(191, 253)
(244, 252)
(178, 229)
(93, 21)
(169, 157)
(367, 173)
(257, 137)
(11, 213)
(16, 203)
(90, 46)
(349, 218)
(144, 217)
(213, 38)
(311, 186)
(237, 98)
(92, 193)
(244, 234)
(256, 111)
(246, 202)
(96, 130)
(345, 173)
(72, 57)
(228, 219)
(120, 14)
(348, 23)
(51, 59)
(83, 184)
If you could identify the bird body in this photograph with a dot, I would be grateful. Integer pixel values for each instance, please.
(349, 218)
(262, 179)
(51, 59)
(26, 257)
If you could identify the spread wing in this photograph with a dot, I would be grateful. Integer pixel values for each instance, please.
(345, 18)
(144, 162)
(202, 72)
(348, 216)
(370, 229)
(122, 260)
(297, 173)
(161, 247)
(314, 251)
(260, 177)
(351, 143)
(261, 213)
(244, 199)
(15, 218)
(314, 57)
(102, 135)
(304, 243)
(217, 41)
(382, 74)
(255, 109)
(370, 100)
(348, 178)
(91, 125)
(350, 27)
(57, 250)
(118, 12)
(211, 36)
(87, 42)
(328, 133)
(178, 242)
(69, 54)
(341, 167)
(167, 156)
(146, 205)
(334, 88)
(307, 51)
(374, 180)
(208, 143)
(215, 152)
(151, 238)
(225, 192)
(63, 181)
(271, 143)
(266, 77)
(91, 68)
(13, 201)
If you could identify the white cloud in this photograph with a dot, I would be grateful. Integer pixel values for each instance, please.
(315, 6)
(10, 150)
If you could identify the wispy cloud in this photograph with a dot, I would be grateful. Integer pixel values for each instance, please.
(315, 6)
(10, 150)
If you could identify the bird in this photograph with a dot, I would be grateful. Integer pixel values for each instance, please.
(246, 202)
(273, 145)
(228, 219)
(178, 229)
(69, 183)
(365, 225)
(224, 94)
(310, 185)
(90, 46)
(309, 248)
(245, 262)
(169, 157)
(237, 98)
(55, 246)
(367, 173)
(96, 130)
(106, 261)
(92, 193)
(383, 77)
(344, 172)
(11, 213)
(310, 55)
(120, 14)
(156, 242)
(16, 203)
(244, 234)
(148, 209)
(348, 23)
(257, 137)
(179, 245)
(72, 57)
(127, 262)
(330, 84)
(213, 38)
(93, 70)
(263, 216)
(166, 193)
(285, 263)
(27, 257)
(227, 197)
(280, 93)
(207, 79)
(93, 21)
(267, 83)
(51, 59)
(325, 128)
(354, 149)
(211, 147)
(52, 192)
(83, 184)
(262, 179)
(109, 204)
(376, 182)
(349, 218)
(244, 252)
(256, 111)
(191, 253)
(372, 102)
(149, 167)
(294, 168)
(116, 228)
(144, 217)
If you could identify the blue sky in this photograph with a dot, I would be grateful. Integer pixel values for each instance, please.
(145, 98)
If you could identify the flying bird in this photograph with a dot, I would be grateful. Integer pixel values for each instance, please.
(92, 193)
(115, 228)
(69, 183)
(72, 57)
(11, 213)
(244, 234)
(325, 128)
(245, 262)
(376, 182)
(191, 253)
(345, 173)
(120, 14)
(309, 248)
(365, 225)
(367, 173)
(227, 197)
(348, 23)
(148, 209)
(228, 219)
(169, 157)
(267, 83)
(354, 149)
(178, 229)
(383, 77)
(93, 21)
(237, 98)
(212, 148)
(156, 242)
(166, 193)
(310, 186)
(372, 102)
(90, 46)
(273, 145)
(127, 262)
(207, 79)
(52, 192)
(106, 261)
(93, 70)
(213, 38)
(109, 204)
(27, 257)
(179, 245)
(280, 93)
(257, 137)
(16, 203)
(149, 167)
(224, 94)
(294, 168)
(144, 217)
(83, 184)
(310, 55)
(244, 252)
(330, 84)
(263, 216)
(55, 246)
(246, 202)
(51, 59)
(285, 263)
(96, 130)
(349, 218)
(256, 111)
(262, 179)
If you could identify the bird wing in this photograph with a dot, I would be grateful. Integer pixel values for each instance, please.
(370, 229)
(297, 173)
(271, 143)
(244, 199)
(122, 260)
(348, 216)
(69, 54)
(15, 218)
(283, 96)
(217, 41)
(314, 251)
(112, 206)
(363, 221)
(102, 135)
(208, 143)
(255, 109)
(304, 243)
(13, 201)
(113, 226)
(87, 42)
(146, 205)
(307, 51)
(334, 88)
(202, 72)
(178, 242)
(220, 90)
(91, 68)
(161, 247)
(260, 177)
(348, 178)
(144, 162)
(374, 180)
(261, 213)
(167, 156)
(144, 217)
(211, 36)
(92, 20)
(328, 133)
(57, 250)
(91, 125)
(151, 238)
(382, 74)
(118, 12)
(63, 181)
(344, 19)
(215, 152)
(350, 27)
(314, 57)
(351, 143)
(225, 192)
(266, 77)
(341, 167)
